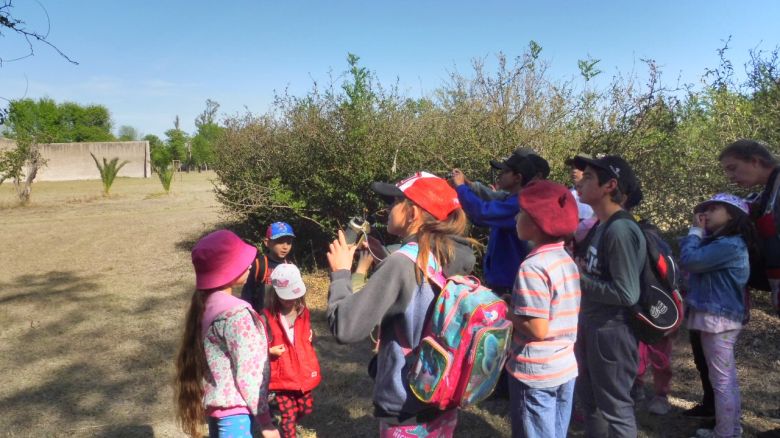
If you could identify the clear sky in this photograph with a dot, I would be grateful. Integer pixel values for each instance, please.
(150, 60)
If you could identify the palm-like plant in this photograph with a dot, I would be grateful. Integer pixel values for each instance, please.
(166, 176)
(108, 171)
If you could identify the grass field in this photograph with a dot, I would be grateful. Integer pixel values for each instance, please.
(93, 291)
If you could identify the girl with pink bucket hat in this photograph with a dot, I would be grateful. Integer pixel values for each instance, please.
(222, 365)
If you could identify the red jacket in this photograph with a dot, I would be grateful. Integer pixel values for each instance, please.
(297, 369)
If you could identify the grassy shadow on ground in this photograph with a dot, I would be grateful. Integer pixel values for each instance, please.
(69, 348)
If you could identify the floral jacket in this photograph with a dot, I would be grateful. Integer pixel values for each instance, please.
(237, 356)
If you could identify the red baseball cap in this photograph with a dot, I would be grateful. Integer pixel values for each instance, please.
(219, 258)
(431, 193)
(551, 206)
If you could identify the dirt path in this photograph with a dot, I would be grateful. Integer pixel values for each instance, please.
(93, 290)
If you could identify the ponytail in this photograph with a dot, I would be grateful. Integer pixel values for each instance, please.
(190, 369)
(435, 237)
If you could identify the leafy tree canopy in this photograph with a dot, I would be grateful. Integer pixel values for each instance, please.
(45, 121)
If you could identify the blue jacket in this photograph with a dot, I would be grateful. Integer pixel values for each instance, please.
(505, 251)
(719, 272)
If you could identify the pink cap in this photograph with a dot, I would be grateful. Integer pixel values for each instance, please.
(219, 258)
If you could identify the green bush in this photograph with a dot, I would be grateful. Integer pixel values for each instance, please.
(309, 161)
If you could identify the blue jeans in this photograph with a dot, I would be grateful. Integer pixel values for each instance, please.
(231, 426)
(540, 412)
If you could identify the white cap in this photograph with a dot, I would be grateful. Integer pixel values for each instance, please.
(287, 282)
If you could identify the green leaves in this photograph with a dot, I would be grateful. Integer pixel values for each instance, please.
(108, 171)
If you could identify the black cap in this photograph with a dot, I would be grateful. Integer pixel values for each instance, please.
(525, 162)
(570, 161)
(617, 168)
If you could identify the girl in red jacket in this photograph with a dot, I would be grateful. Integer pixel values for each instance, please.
(295, 370)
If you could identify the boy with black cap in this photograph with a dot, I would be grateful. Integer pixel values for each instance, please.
(583, 210)
(505, 250)
(610, 273)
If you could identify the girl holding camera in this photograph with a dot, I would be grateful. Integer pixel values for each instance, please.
(424, 211)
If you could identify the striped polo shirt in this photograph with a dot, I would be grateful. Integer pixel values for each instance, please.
(547, 286)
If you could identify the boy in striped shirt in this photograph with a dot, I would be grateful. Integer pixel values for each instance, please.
(544, 310)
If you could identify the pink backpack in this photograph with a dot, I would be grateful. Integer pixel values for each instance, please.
(464, 344)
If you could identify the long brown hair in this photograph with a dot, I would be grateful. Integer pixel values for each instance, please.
(191, 368)
(435, 237)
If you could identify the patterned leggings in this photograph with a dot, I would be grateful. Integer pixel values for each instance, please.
(293, 405)
(719, 352)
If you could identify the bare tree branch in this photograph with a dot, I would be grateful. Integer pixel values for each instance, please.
(9, 23)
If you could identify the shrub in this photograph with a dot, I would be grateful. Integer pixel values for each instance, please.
(309, 161)
(108, 171)
(166, 176)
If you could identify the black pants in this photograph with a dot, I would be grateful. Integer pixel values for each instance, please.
(708, 401)
(608, 358)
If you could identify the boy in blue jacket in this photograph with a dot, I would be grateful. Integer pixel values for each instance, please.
(505, 250)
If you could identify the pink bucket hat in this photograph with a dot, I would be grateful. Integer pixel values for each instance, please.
(219, 258)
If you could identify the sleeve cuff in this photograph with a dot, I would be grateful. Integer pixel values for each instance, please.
(341, 274)
(696, 231)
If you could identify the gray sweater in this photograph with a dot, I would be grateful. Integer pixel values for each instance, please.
(393, 299)
(613, 264)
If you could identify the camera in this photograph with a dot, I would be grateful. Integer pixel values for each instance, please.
(357, 230)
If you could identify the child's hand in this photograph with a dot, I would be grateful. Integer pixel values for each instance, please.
(340, 254)
(277, 350)
(270, 432)
(365, 259)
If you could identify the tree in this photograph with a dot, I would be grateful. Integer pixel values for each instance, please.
(160, 155)
(202, 144)
(127, 133)
(21, 165)
(49, 122)
(209, 115)
(176, 143)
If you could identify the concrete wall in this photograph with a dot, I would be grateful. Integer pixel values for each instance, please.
(72, 161)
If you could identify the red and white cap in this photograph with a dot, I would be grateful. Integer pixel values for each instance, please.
(428, 191)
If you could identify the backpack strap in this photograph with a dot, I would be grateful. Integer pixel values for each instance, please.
(265, 270)
(621, 214)
(434, 272)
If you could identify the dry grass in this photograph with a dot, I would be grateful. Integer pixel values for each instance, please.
(93, 290)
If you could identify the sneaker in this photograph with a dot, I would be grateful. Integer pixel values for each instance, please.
(699, 411)
(659, 406)
(704, 433)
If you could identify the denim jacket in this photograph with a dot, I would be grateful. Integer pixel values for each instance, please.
(719, 271)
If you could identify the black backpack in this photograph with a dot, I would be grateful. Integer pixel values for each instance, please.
(659, 311)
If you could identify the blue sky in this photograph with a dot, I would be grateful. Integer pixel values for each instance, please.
(148, 61)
